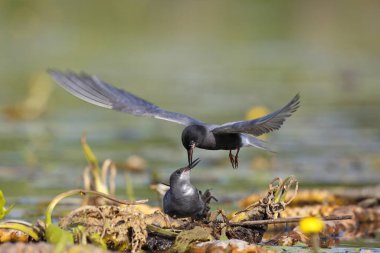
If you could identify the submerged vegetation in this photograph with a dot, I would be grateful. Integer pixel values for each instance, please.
(107, 223)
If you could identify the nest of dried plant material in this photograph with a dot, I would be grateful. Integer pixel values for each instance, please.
(126, 227)
(120, 227)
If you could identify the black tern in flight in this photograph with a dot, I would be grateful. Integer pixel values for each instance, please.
(228, 136)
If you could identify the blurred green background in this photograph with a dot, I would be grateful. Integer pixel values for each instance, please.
(213, 60)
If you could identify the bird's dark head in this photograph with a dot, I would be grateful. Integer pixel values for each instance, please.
(192, 136)
(182, 176)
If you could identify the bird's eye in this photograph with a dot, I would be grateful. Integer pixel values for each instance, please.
(178, 172)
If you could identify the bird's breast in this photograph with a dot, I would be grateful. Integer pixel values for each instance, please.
(187, 191)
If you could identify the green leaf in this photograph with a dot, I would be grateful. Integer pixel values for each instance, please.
(2, 199)
(93, 161)
(90, 156)
(57, 235)
(97, 240)
(4, 211)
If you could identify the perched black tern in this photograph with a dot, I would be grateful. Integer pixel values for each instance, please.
(183, 199)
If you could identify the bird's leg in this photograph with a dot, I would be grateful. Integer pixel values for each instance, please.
(237, 158)
(232, 160)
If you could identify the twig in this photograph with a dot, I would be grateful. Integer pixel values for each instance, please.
(84, 192)
(287, 220)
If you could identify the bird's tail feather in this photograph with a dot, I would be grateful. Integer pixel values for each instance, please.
(249, 140)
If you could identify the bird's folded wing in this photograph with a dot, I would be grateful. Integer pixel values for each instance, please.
(263, 125)
(95, 91)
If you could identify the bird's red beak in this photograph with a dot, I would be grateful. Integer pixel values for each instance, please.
(190, 153)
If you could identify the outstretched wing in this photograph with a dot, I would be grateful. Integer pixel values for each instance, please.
(95, 91)
(263, 125)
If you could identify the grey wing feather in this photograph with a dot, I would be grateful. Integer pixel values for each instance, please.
(263, 125)
(95, 91)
